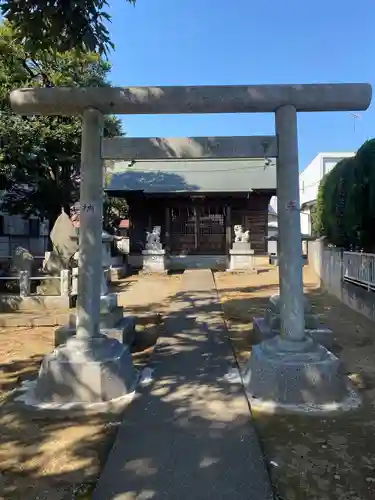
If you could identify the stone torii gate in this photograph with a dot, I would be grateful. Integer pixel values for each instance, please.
(285, 372)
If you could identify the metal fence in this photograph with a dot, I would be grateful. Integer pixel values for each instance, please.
(359, 268)
(23, 282)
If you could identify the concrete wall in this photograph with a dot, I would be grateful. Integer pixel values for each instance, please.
(327, 263)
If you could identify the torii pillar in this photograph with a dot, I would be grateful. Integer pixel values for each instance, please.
(289, 372)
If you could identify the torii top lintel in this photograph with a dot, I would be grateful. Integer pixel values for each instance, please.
(199, 99)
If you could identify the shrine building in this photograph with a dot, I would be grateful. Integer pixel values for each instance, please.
(197, 203)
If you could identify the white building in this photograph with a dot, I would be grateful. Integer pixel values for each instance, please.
(309, 180)
(30, 233)
(17, 230)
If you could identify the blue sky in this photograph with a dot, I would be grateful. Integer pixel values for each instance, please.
(208, 42)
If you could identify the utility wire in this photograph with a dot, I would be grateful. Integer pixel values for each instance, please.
(197, 171)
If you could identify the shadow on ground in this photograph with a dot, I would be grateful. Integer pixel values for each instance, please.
(50, 458)
(315, 458)
(208, 449)
(310, 459)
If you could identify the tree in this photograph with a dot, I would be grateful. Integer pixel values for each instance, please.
(334, 217)
(40, 156)
(345, 210)
(317, 212)
(364, 195)
(62, 24)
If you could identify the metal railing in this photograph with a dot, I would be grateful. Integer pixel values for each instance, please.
(25, 279)
(359, 268)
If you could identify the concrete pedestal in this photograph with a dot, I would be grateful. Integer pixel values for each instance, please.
(118, 272)
(241, 257)
(95, 370)
(108, 303)
(274, 260)
(275, 304)
(110, 314)
(105, 278)
(154, 261)
(283, 377)
(117, 261)
(270, 325)
(122, 330)
(319, 333)
(118, 268)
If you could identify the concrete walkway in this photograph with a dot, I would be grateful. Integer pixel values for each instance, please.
(189, 434)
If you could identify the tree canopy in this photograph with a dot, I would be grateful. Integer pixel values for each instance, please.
(345, 209)
(40, 155)
(60, 25)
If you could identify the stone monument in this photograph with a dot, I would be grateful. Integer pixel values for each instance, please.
(241, 253)
(65, 245)
(154, 254)
(269, 326)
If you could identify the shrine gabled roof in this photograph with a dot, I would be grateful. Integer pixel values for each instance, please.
(192, 176)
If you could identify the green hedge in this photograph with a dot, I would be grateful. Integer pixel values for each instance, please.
(345, 209)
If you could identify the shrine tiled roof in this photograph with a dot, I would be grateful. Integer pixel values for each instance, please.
(208, 175)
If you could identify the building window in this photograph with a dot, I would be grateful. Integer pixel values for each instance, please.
(2, 225)
(34, 228)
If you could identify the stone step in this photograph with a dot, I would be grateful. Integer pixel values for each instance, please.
(32, 319)
(33, 303)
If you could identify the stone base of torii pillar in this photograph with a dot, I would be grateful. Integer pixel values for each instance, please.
(269, 325)
(279, 378)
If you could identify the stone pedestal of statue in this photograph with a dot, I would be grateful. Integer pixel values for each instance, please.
(154, 261)
(241, 257)
(241, 253)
